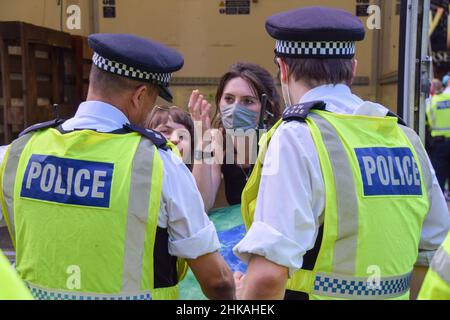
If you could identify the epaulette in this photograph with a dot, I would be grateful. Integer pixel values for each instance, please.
(399, 119)
(300, 112)
(157, 138)
(40, 126)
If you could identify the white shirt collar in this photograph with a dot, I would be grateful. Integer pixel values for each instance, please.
(97, 115)
(340, 99)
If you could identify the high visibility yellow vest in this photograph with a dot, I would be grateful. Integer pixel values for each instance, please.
(439, 115)
(82, 211)
(376, 179)
(11, 287)
(437, 282)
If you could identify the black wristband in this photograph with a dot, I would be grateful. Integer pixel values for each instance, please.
(200, 155)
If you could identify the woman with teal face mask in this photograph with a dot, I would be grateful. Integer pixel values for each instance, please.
(239, 111)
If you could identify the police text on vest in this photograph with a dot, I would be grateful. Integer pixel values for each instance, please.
(68, 181)
(443, 105)
(389, 171)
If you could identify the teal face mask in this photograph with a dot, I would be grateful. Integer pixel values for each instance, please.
(236, 116)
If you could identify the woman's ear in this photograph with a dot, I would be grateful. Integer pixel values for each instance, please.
(283, 70)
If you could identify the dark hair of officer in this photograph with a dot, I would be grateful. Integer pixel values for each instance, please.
(316, 72)
(260, 81)
(111, 84)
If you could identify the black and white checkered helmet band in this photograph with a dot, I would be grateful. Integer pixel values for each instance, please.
(130, 72)
(316, 49)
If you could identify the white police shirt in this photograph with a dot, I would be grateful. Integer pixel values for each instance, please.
(291, 200)
(191, 233)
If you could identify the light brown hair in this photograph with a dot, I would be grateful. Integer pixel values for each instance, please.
(161, 114)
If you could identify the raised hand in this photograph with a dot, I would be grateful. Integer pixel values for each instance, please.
(199, 109)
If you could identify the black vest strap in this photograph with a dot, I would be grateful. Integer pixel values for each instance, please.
(309, 262)
(300, 112)
(40, 126)
(154, 136)
(164, 265)
(399, 119)
(159, 140)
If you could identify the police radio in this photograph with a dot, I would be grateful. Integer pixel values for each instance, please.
(56, 111)
(262, 123)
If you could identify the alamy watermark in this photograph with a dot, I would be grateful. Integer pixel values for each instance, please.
(374, 19)
(230, 146)
(374, 280)
(74, 279)
(73, 21)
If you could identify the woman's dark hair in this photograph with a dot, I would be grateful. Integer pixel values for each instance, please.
(261, 83)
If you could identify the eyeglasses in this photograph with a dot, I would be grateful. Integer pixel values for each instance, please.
(166, 108)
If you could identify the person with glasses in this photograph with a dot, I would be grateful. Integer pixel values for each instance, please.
(176, 126)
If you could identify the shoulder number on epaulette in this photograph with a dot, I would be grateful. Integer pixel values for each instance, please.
(301, 111)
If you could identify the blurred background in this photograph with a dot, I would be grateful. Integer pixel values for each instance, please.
(45, 58)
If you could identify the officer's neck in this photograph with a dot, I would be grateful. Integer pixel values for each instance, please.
(297, 90)
(115, 102)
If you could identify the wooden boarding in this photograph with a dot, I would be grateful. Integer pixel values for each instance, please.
(83, 60)
(39, 67)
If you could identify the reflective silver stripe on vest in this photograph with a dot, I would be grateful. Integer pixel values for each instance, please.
(433, 117)
(9, 177)
(40, 293)
(441, 129)
(423, 159)
(441, 264)
(359, 288)
(344, 261)
(137, 217)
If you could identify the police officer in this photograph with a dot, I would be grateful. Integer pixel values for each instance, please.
(11, 287)
(439, 120)
(337, 201)
(437, 282)
(99, 208)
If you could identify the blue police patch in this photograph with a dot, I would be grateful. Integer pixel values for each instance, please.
(389, 171)
(443, 105)
(68, 181)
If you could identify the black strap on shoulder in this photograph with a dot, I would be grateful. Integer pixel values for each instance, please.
(399, 119)
(40, 126)
(300, 112)
(154, 136)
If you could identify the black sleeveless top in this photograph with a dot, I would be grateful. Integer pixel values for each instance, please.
(235, 179)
